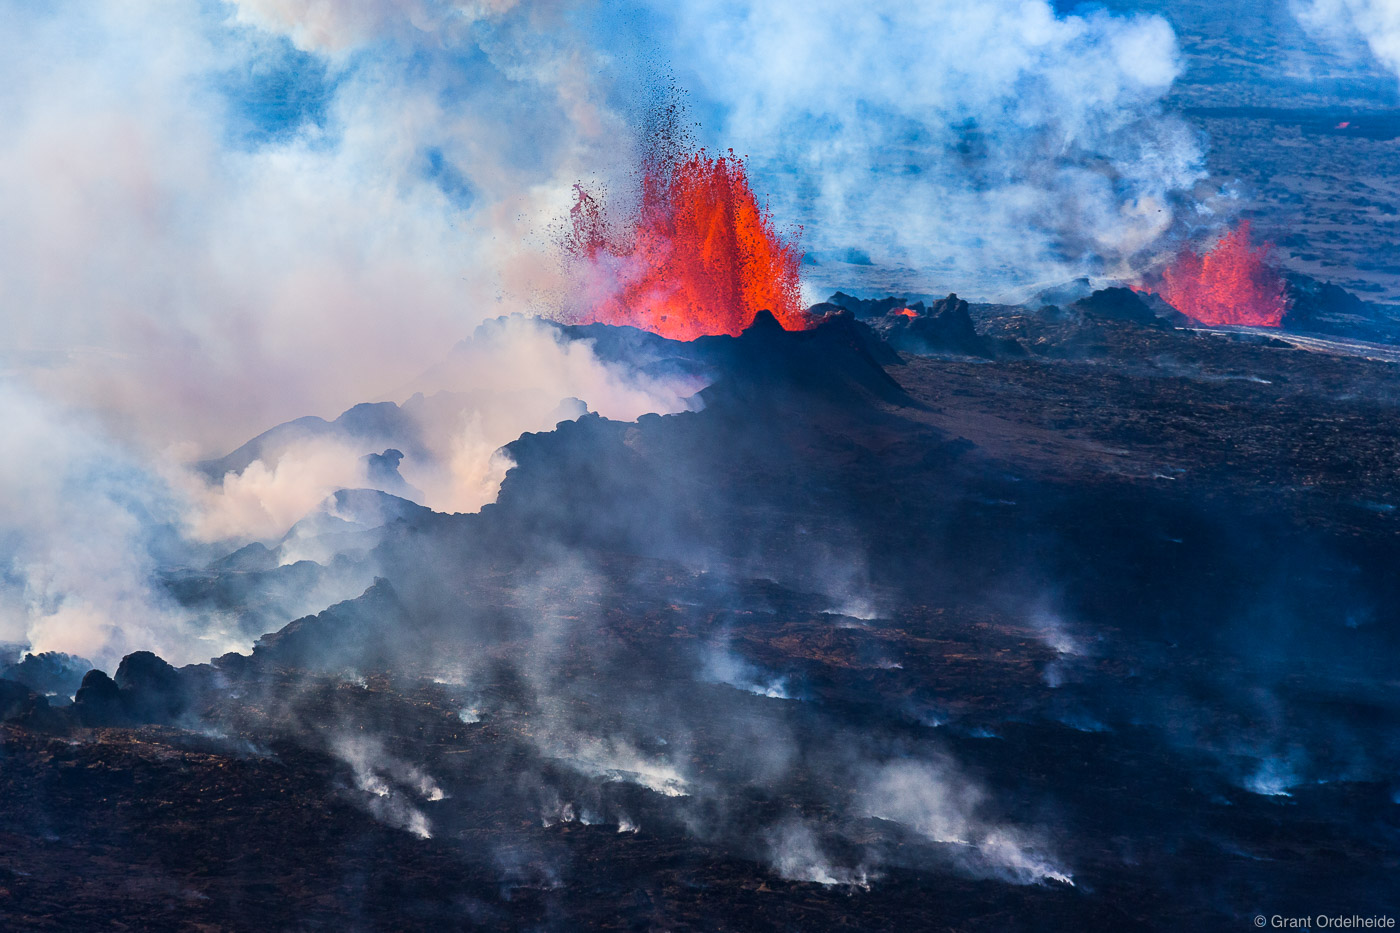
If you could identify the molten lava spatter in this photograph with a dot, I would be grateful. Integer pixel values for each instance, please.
(1231, 284)
(701, 256)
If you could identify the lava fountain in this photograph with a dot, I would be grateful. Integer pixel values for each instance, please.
(700, 256)
(1231, 283)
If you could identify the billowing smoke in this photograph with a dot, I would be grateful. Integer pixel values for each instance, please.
(922, 145)
(514, 375)
(341, 26)
(223, 217)
(84, 529)
(1373, 22)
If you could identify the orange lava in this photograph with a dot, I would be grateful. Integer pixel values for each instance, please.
(907, 312)
(700, 257)
(1231, 284)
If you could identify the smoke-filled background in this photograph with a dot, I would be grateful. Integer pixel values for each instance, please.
(222, 216)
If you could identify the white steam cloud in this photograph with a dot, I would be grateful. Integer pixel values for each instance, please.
(84, 530)
(974, 145)
(316, 24)
(1375, 22)
(515, 375)
(207, 231)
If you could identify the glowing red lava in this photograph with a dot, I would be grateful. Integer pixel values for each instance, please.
(700, 257)
(907, 312)
(1232, 283)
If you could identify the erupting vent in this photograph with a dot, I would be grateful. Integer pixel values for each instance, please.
(1232, 283)
(700, 257)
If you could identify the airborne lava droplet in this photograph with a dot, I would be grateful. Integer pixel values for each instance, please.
(1232, 283)
(700, 257)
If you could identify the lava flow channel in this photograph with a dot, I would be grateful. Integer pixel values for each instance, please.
(700, 256)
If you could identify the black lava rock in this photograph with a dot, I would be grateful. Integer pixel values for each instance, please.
(98, 701)
(943, 327)
(152, 690)
(1119, 304)
(15, 700)
(49, 672)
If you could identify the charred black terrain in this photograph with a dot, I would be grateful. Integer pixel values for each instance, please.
(1054, 619)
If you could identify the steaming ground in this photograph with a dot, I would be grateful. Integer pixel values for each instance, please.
(1087, 636)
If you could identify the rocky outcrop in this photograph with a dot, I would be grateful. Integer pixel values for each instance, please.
(944, 327)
